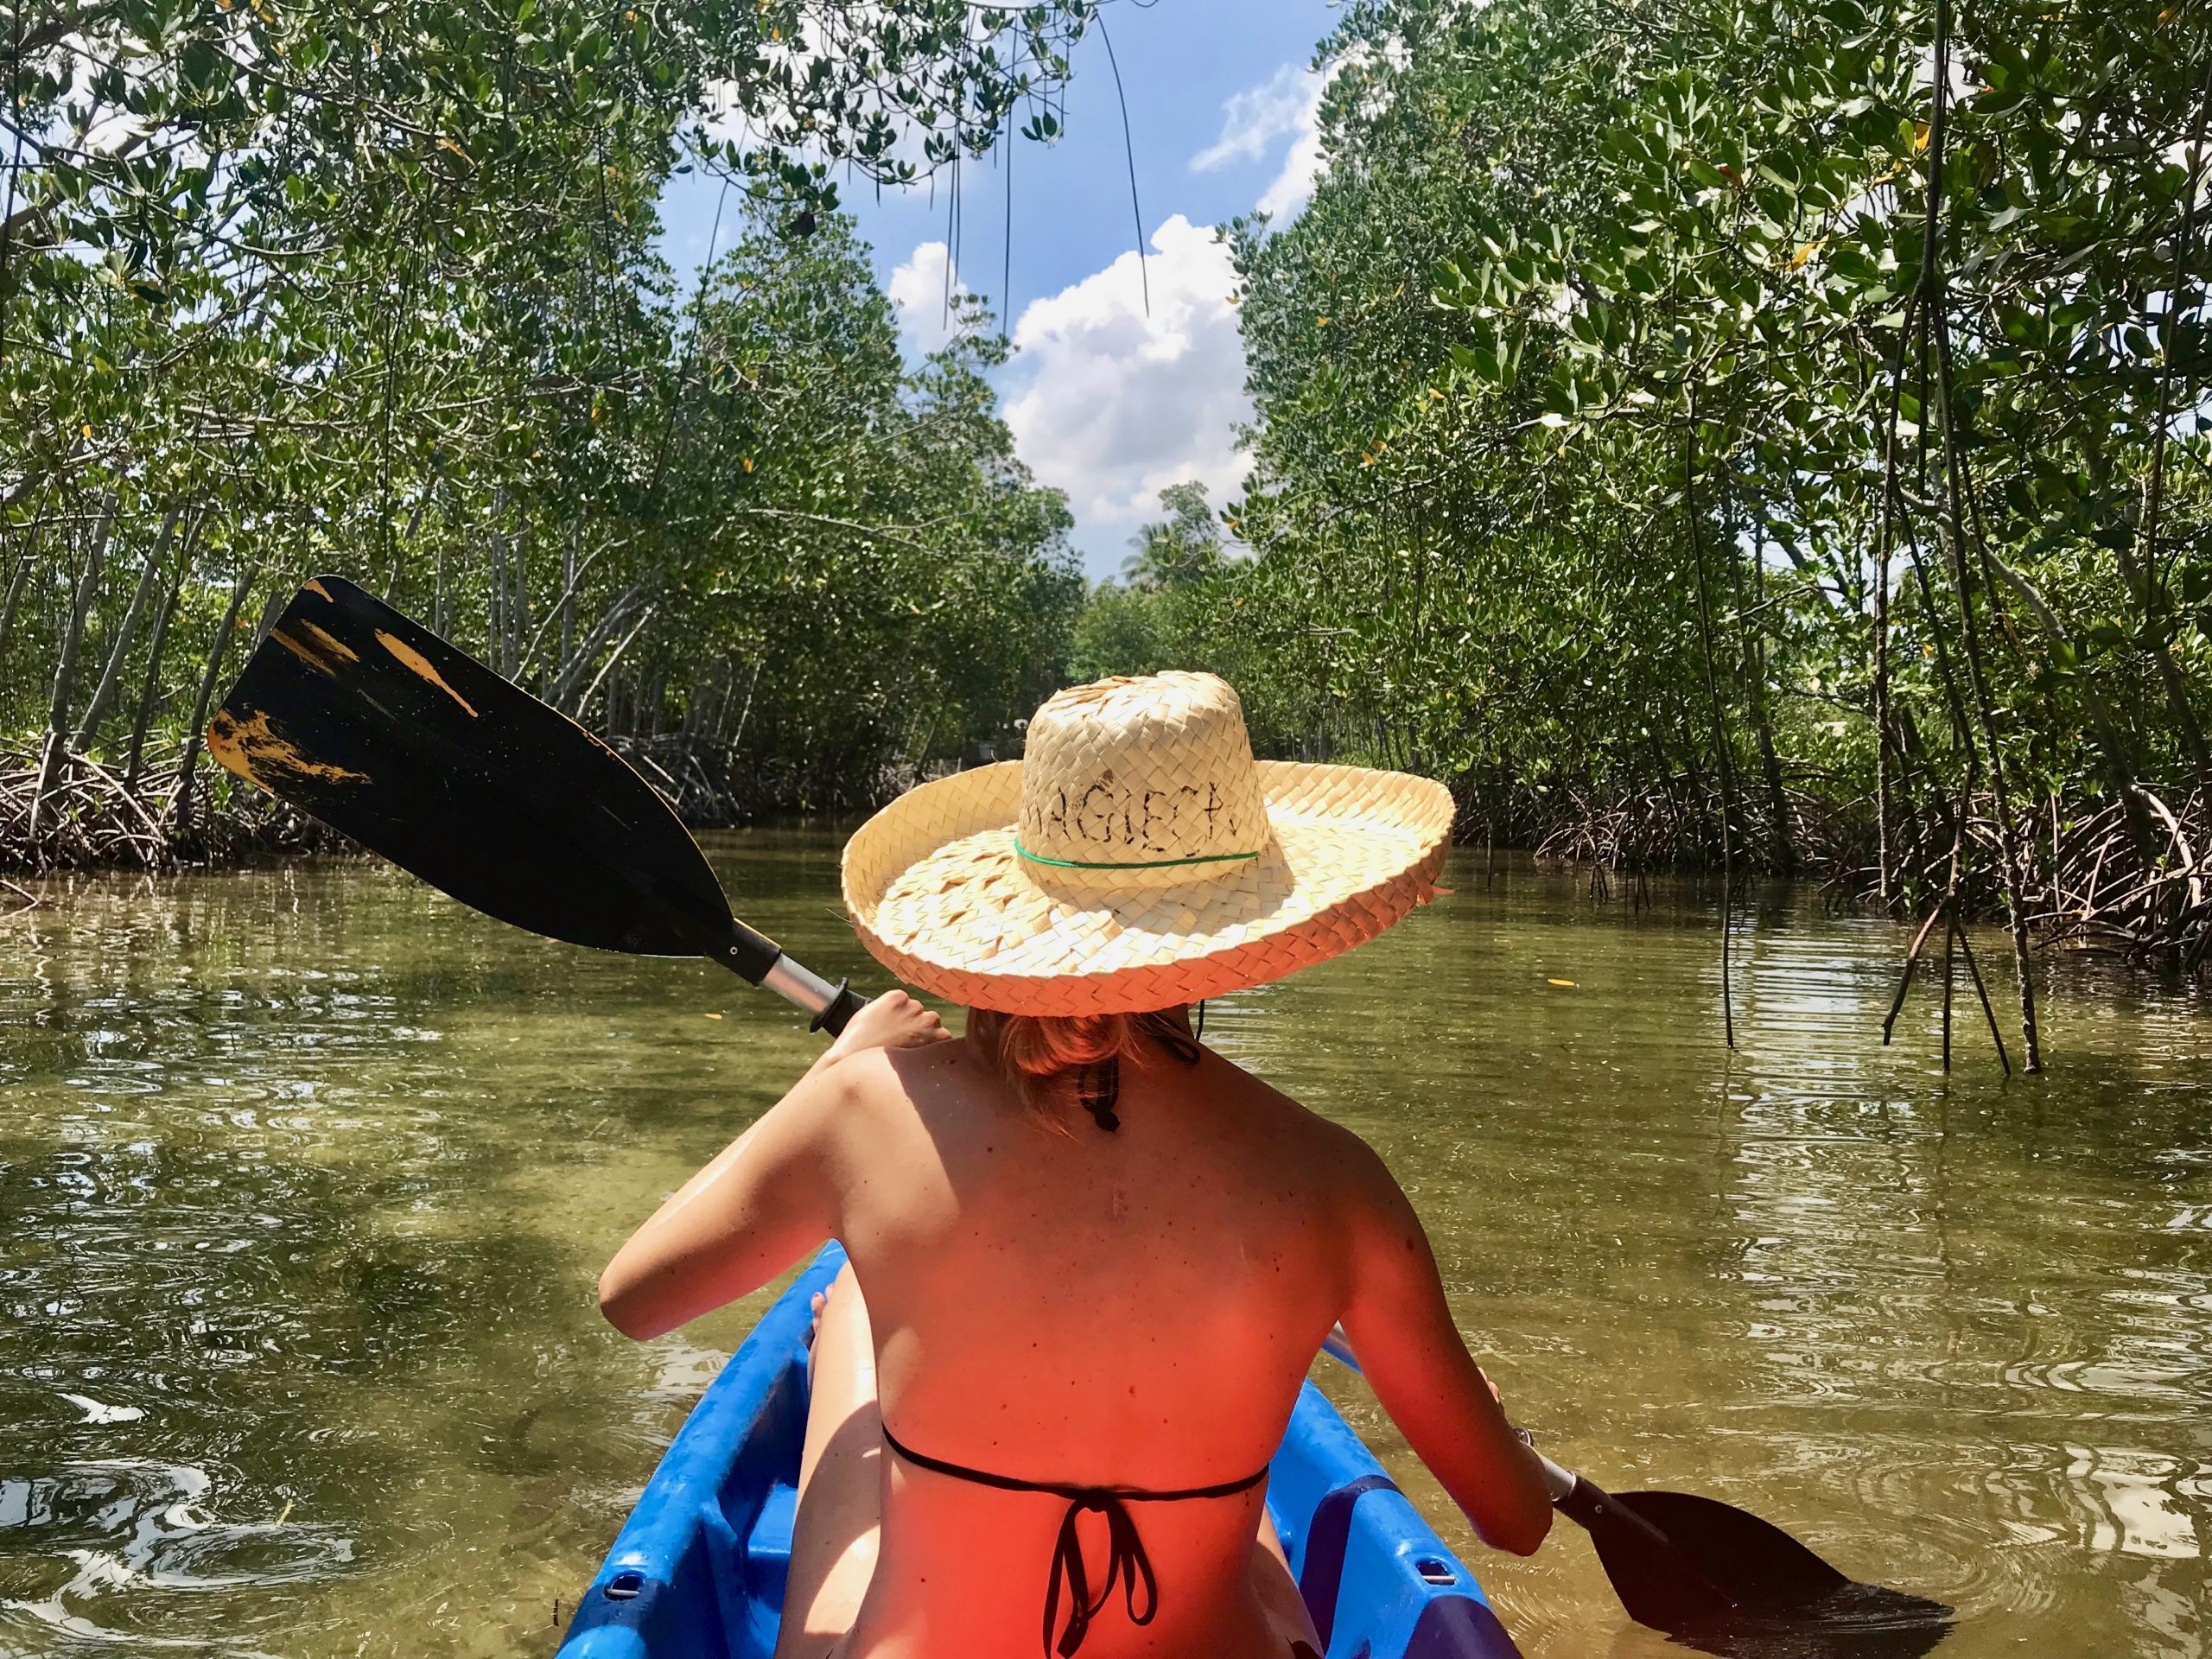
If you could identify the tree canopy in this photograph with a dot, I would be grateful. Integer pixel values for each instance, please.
(1754, 428)
(288, 285)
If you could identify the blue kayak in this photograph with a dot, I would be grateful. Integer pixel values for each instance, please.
(698, 1572)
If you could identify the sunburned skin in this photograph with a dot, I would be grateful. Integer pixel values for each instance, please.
(1054, 1304)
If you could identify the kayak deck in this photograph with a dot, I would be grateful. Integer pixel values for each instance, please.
(698, 1569)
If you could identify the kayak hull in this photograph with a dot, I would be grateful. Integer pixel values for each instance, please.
(698, 1572)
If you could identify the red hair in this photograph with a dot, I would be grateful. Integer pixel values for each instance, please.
(1049, 1059)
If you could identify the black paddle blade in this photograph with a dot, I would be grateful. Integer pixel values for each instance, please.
(1724, 1581)
(366, 719)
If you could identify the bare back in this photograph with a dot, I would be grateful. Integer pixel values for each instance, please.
(1131, 1309)
(1128, 1309)
(1136, 1307)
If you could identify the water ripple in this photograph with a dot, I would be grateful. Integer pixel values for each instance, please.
(312, 1170)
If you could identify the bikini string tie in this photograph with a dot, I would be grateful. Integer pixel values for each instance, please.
(1127, 1564)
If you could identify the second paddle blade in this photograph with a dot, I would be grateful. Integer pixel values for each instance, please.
(364, 719)
(1750, 1591)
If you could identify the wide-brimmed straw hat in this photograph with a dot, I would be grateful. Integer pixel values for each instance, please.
(1138, 858)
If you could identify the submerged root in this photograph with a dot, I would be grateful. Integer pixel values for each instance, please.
(2130, 876)
(60, 810)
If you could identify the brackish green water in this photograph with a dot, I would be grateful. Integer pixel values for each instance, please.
(306, 1175)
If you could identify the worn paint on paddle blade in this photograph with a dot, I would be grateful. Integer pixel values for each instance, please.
(257, 752)
(421, 664)
(314, 646)
(357, 715)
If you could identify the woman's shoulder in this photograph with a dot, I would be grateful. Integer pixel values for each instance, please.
(1235, 1115)
(879, 1085)
(1328, 1151)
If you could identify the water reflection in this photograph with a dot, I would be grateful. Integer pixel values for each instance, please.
(135, 1532)
(306, 1175)
(1860, 1621)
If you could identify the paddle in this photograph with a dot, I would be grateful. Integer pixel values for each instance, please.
(364, 719)
(1718, 1578)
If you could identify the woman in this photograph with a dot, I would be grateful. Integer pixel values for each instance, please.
(1091, 1261)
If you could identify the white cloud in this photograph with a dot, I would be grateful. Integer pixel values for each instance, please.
(1253, 119)
(1286, 105)
(1116, 405)
(918, 288)
(1301, 165)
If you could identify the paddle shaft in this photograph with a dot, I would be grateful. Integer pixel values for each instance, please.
(831, 1006)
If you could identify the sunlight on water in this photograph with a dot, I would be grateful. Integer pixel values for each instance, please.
(307, 1173)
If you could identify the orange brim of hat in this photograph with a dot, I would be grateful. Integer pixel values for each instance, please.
(941, 897)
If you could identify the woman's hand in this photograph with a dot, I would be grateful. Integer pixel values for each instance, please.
(895, 1020)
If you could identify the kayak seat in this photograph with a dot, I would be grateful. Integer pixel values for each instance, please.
(768, 1551)
(1321, 1570)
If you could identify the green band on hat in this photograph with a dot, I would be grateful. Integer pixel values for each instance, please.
(1152, 864)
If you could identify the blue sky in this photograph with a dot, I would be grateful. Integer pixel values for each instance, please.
(1106, 401)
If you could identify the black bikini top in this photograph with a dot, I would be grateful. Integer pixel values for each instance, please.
(1126, 1561)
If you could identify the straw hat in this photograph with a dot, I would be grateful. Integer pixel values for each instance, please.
(1138, 858)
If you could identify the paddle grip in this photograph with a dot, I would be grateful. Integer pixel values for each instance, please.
(1558, 1482)
(760, 961)
(752, 956)
(832, 1006)
(832, 1018)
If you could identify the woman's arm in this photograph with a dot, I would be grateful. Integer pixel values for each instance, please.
(767, 1198)
(1410, 1349)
